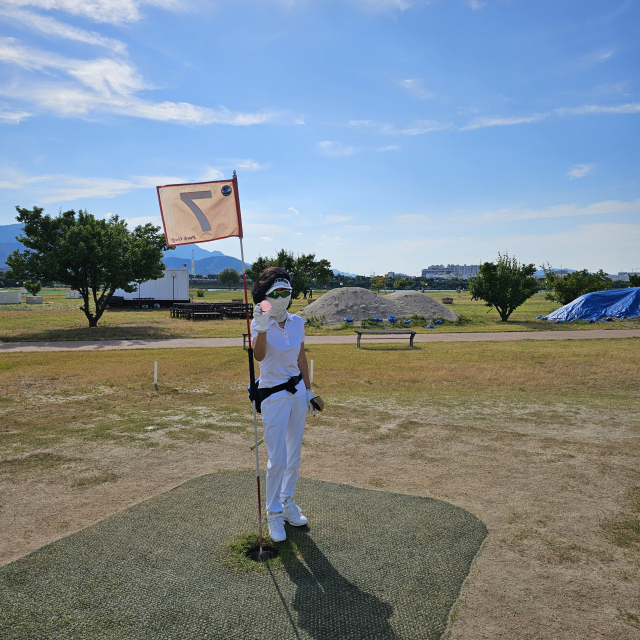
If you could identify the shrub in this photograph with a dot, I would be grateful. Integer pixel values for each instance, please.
(200, 293)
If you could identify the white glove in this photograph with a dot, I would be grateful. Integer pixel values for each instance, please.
(262, 319)
(310, 396)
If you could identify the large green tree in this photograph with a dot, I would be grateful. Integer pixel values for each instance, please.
(306, 272)
(565, 289)
(93, 256)
(634, 279)
(504, 285)
(229, 277)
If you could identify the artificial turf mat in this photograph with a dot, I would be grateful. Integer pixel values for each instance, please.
(373, 565)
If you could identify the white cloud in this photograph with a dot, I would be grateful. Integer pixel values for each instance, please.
(481, 122)
(500, 121)
(112, 85)
(476, 4)
(297, 233)
(249, 165)
(13, 117)
(110, 11)
(298, 121)
(266, 238)
(52, 27)
(212, 174)
(415, 86)
(294, 210)
(411, 218)
(604, 208)
(47, 189)
(329, 148)
(579, 170)
(332, 219)
(419, 127)
(390, 147)
(632, 107)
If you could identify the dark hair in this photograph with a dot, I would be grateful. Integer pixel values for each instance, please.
(265, 282)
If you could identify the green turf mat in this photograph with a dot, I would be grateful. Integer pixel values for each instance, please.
(373, 565)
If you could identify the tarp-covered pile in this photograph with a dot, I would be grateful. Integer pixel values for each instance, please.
(615, 303)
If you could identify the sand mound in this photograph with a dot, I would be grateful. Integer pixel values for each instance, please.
(410, 302)
(357, 303)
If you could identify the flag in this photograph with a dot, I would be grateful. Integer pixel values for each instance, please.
(200, 212)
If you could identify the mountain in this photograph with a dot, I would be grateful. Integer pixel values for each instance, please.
(8, 242)
(342, 273)
(206, 266)
(184, 251)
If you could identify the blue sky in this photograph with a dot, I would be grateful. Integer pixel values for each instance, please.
(380, 134)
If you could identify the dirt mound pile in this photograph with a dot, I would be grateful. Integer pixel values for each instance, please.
(410, 302)
(358, 304)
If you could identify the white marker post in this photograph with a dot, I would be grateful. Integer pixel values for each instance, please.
(311, 373)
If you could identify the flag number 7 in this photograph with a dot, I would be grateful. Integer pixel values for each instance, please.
(188, 199)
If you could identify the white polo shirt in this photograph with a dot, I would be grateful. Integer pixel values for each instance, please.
(283, 347)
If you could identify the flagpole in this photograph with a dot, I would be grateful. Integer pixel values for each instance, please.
(252, 375)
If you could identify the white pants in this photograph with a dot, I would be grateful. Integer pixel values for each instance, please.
(283, 418)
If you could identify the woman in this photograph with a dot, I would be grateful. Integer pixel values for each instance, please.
(285, 392)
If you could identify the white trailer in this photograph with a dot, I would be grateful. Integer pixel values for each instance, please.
(10, 297)
(163, 292)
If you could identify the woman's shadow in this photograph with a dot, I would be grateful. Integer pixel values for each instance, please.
(327, 604)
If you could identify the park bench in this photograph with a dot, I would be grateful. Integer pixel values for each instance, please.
(206, 315)
(390, 332)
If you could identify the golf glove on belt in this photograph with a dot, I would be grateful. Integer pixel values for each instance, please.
(262, 319)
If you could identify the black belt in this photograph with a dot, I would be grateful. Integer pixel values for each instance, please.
(290, 386)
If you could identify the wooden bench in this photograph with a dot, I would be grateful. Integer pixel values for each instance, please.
(392, 332)
(206, 315)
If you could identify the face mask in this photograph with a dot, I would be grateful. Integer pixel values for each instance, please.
(279, 308)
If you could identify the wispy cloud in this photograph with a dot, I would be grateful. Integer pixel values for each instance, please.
(13, 117)
(294, 210)
(631, 107)
(390, 147)
(504, 121)
(580, 170)
(212, 174)
(330, 148)
(109, 11)
(480, 122)
(52, 27)
(604, 208)
(266, 238)
(104, 85)
(476, 4)
(333, 218)
(249, 165)
(414, 85)
(47, 189)
(419, 127)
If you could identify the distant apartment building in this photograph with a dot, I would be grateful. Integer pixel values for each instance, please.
(451, 271)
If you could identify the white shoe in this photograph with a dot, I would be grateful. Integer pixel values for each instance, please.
(276, 527)
(291, 513)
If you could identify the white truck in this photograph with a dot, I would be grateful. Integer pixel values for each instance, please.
(163, 292)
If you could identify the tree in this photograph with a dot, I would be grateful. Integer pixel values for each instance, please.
(229, 277)
(505, 285)
(377, 282)
(95, 257)
(33, 287)
(305, 271)
(401, 283)
(634, 279)
(565, 289)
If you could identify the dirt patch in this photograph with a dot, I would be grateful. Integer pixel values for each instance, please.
(358, 304)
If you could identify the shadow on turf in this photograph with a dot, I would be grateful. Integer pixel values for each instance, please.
(328, 606)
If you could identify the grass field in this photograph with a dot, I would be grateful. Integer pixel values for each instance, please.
(540, 440)
(61, 319)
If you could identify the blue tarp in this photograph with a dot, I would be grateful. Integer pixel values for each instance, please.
(615, 303)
